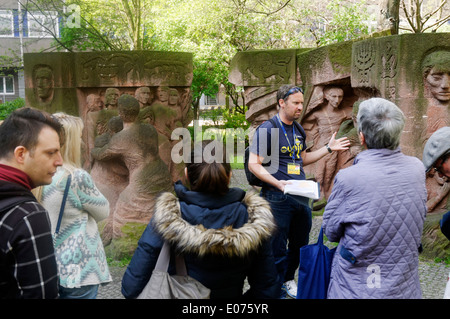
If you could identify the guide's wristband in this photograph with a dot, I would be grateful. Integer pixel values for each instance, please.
(329, 149)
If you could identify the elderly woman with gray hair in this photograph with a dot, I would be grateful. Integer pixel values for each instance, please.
(376, 212)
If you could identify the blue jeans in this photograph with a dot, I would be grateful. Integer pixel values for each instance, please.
(84, 292)
(293, 218)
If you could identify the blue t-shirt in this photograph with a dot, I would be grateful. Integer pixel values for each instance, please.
(288, 149)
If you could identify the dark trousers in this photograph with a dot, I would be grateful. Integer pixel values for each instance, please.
(293, 218)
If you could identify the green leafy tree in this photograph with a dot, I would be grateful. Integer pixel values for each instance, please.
(214, 30)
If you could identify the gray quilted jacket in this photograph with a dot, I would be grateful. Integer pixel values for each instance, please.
(376, 212)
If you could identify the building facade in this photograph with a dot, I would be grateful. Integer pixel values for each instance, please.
(21, 31)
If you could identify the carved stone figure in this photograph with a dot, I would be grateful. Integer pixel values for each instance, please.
(162, 95)
(144, 96)
(136, 147)
(43, 84)
(436, 70)
(173, 97)
(111, 96)
(436, 77)
(94, 104)
(322, 123)
(438, 189)
(111, 176)
(169, 111)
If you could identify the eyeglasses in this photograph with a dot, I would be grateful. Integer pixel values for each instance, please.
(444, 158)
(293, 90)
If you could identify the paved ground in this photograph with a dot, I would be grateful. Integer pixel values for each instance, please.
(433, 276)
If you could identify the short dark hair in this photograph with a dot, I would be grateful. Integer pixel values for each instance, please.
(286, 90)
(209, 177)
(22, 128)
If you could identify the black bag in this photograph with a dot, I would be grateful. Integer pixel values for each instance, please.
(445, 224)
(251, 178)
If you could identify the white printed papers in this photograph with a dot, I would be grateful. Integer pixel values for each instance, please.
(304, 188)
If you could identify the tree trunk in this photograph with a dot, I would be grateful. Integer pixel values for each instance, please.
(389, 15)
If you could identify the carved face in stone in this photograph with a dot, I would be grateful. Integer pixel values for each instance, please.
(173, 97)
(143, 95)
(111, 96)
(43, 81)
(436, 71)
(94, 103)
(439, 84)
(162, 93)
(334, 96)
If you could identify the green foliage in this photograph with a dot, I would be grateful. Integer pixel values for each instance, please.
(214, 30)
(347, 22)
(118, 263)
(445, 260)
(235, 120)
(8, 107)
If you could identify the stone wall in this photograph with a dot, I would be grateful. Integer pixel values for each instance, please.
(392, 67)
(129, 159)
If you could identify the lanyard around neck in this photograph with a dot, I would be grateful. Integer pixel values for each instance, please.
(287, 139)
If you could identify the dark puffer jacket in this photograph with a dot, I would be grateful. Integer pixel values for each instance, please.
(224, 240)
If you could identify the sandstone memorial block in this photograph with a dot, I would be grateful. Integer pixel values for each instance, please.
(128, 157)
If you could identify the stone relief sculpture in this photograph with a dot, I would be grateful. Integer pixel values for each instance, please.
(162, 95)
(436, 68)
(136, 147)
(93, 105)
(364, 61)
(144, 96)
(322, 122)
(111, 176)
(88, 84)
(43, 84)
(267, 66)
(168, 111)
(438, 190)
(111, 96)
(436, 77)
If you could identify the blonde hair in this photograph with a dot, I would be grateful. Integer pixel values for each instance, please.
(71, 150)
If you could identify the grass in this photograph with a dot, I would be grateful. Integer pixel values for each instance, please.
(237, 162)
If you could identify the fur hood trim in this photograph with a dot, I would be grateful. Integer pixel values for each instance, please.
(227, 241)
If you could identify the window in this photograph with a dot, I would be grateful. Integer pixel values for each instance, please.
(42, 25)
(211, 100)
(7, 84)
(6, 23)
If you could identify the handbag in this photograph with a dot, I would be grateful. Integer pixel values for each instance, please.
(61, 209)
(180, 286)
(445, 224)
(314, 270)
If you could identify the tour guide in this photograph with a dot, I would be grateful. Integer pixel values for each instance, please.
(292, 213)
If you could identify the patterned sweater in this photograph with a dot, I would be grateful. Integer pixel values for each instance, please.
(78, 247)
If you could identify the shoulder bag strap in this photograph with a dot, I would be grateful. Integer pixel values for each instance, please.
(63, 204)
(162, 264)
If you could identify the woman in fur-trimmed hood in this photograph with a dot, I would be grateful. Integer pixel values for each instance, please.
(223, 234)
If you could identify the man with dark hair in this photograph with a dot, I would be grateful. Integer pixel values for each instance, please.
(287, 157)
(30, 142)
